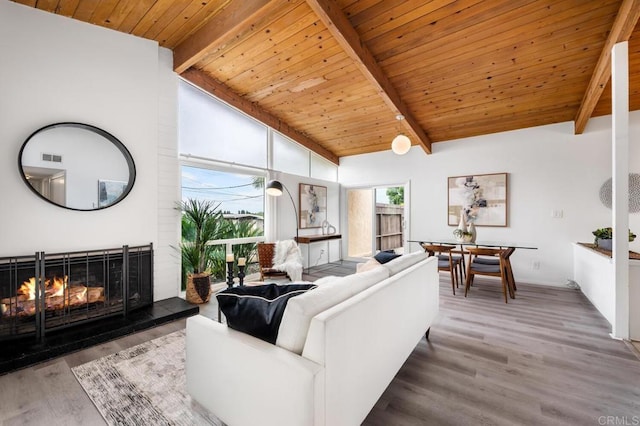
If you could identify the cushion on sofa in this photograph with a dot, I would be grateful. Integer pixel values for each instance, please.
(403, 262)
(300, 310)
(386, 256)
(356, 284)
(367, 266)
(258, 310)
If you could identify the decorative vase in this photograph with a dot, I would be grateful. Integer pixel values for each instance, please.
(472, 230)
(605, 243)
(198, 288)
(463, 221)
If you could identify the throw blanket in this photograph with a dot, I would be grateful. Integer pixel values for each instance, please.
(258, 310)
(288, 258)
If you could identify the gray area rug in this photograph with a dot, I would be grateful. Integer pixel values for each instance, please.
(144, 385)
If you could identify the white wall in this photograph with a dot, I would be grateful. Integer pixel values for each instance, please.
(285, 218)
(549, 169)
(57, 69)
(168, 264)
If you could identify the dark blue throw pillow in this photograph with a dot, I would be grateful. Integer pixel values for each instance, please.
(385, 256)
(258, 310)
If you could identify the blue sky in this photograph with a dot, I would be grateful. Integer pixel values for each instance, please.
(381, 196)
(235, 191)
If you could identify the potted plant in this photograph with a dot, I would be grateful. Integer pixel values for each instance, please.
(604, 237)
(462, 235)
(201, 223)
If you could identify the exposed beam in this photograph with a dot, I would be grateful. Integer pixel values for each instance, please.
(621, 30)
(207, 83)
(347, 37)
(231, 21)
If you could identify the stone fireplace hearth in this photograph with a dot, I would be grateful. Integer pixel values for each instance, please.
(51, 304)
(46, 292)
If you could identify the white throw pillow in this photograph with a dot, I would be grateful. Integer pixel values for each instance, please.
(364, 280)
(301, 309)
(403, 262)
(367, 266)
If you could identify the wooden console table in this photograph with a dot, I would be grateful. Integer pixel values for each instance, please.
(310, 239)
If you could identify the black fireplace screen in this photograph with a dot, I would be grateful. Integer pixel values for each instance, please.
(46, 292)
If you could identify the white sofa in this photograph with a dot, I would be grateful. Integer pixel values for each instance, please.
(351, 352)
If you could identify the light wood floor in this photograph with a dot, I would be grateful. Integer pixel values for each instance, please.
(543, 359)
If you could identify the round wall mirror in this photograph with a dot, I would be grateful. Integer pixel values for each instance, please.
(77, 166)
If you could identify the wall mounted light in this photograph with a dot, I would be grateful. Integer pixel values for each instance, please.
(275, 189)
(401, 144)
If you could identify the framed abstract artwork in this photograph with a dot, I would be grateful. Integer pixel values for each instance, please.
(481, 198)
(313, 205)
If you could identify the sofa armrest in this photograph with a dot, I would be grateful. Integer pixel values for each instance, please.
(246, 381)
(363, 341)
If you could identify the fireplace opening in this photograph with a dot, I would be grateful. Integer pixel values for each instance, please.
(46, 292)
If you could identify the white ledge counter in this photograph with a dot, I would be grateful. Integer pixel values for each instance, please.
(593, 271)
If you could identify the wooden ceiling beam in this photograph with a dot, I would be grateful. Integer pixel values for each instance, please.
(347, 37)
(231, 21)
(621, 30)
(219, 90)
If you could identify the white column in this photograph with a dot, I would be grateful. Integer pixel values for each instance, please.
(620, 175)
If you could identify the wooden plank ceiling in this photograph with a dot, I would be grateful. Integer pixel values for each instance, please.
(333, 74)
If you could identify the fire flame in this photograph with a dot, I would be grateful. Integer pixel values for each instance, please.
(55, 288)
(28, 288)
(58, 286)
(58, 294)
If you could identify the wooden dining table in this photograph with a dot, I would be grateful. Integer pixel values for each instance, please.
(508, 247)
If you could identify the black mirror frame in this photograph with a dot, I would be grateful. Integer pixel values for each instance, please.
(125, 152)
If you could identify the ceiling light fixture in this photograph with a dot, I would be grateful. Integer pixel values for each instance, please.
(400, 144)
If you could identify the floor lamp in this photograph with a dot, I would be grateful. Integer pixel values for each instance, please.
(274, 188)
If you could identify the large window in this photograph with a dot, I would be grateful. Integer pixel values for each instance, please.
(289, 157)
(211, 129)
(226, 156)
(239, 201)
(239, 195)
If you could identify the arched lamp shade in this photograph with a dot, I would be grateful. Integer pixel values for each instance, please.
(401, 145)
(274, 188)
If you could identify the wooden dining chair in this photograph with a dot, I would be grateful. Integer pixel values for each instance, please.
(494, 264)
(459, 254)
(508, 251)
(265, 260)
(446, 262)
